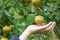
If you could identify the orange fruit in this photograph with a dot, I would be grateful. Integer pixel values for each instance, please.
(39, 20)
(7, 29)
(4, 38)
(52, 1)
(37, 3)
(27, 1)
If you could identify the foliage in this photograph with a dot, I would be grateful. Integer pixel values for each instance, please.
(20, 14)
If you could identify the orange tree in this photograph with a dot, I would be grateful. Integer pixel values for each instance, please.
(16, 15)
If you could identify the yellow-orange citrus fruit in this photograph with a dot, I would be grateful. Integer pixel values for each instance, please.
(27, 1)
(37, 3)
(4, 38)
(53, 1)
(7, 29)
(39, 20)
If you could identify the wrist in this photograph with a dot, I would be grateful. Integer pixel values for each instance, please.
(25, 35)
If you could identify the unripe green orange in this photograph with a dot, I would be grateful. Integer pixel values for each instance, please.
(37, 3)
(7, 29)
(4, 38)
(39, 20)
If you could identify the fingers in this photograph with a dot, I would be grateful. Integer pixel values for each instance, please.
(50, 28)
(47, 28)
(48, 24)
(44, 27)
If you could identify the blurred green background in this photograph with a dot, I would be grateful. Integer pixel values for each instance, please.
(20, 14)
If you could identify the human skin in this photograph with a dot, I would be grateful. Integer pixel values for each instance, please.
(35, 29)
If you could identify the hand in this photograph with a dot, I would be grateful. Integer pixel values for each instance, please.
(41, 29)
(37, 29)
